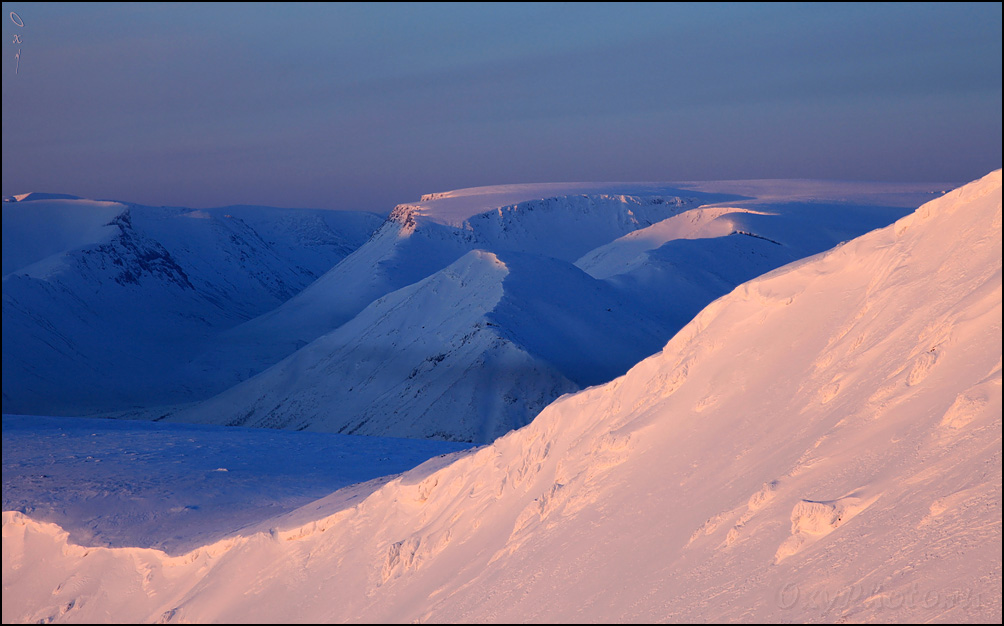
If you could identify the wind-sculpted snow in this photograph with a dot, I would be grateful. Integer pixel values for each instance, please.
(103, 302)
(821, 444)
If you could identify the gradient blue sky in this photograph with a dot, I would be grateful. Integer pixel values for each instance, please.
(365, 106)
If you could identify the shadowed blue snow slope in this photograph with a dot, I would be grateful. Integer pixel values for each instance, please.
(43, 228)
(467, 354)
(103, 301)
(174, 486)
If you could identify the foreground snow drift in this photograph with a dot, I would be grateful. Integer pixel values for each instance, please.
(824, 443)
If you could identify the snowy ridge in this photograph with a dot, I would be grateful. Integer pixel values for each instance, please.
(627, 252)
(415, 353)
(38, 195)
(822, 444)
(42, 229)
(92, 289)
(417, 241)
(683, 263)
(467, 354)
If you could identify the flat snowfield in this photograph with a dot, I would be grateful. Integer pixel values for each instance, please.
(822, 443)
(178, 486)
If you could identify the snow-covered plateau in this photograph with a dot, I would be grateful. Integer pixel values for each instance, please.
(822, 442)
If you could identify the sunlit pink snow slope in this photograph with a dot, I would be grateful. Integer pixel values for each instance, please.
(822, 444)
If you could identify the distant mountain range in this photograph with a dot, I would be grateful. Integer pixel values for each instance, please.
(459, 318)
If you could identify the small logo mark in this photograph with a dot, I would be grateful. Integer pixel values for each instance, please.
(14, 17)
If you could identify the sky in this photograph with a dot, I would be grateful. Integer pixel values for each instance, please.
(349, 106)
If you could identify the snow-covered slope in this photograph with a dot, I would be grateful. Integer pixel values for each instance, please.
(824, 443)
(467, 354)
(679, 265)
(103, 301)
(463, 354)
(422, 238)
(44, 228)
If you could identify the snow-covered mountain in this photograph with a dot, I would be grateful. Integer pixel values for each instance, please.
(422, 238)
(104, 301)
(116, 307)
(467, 354)
(471, 350)
(821, 444)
